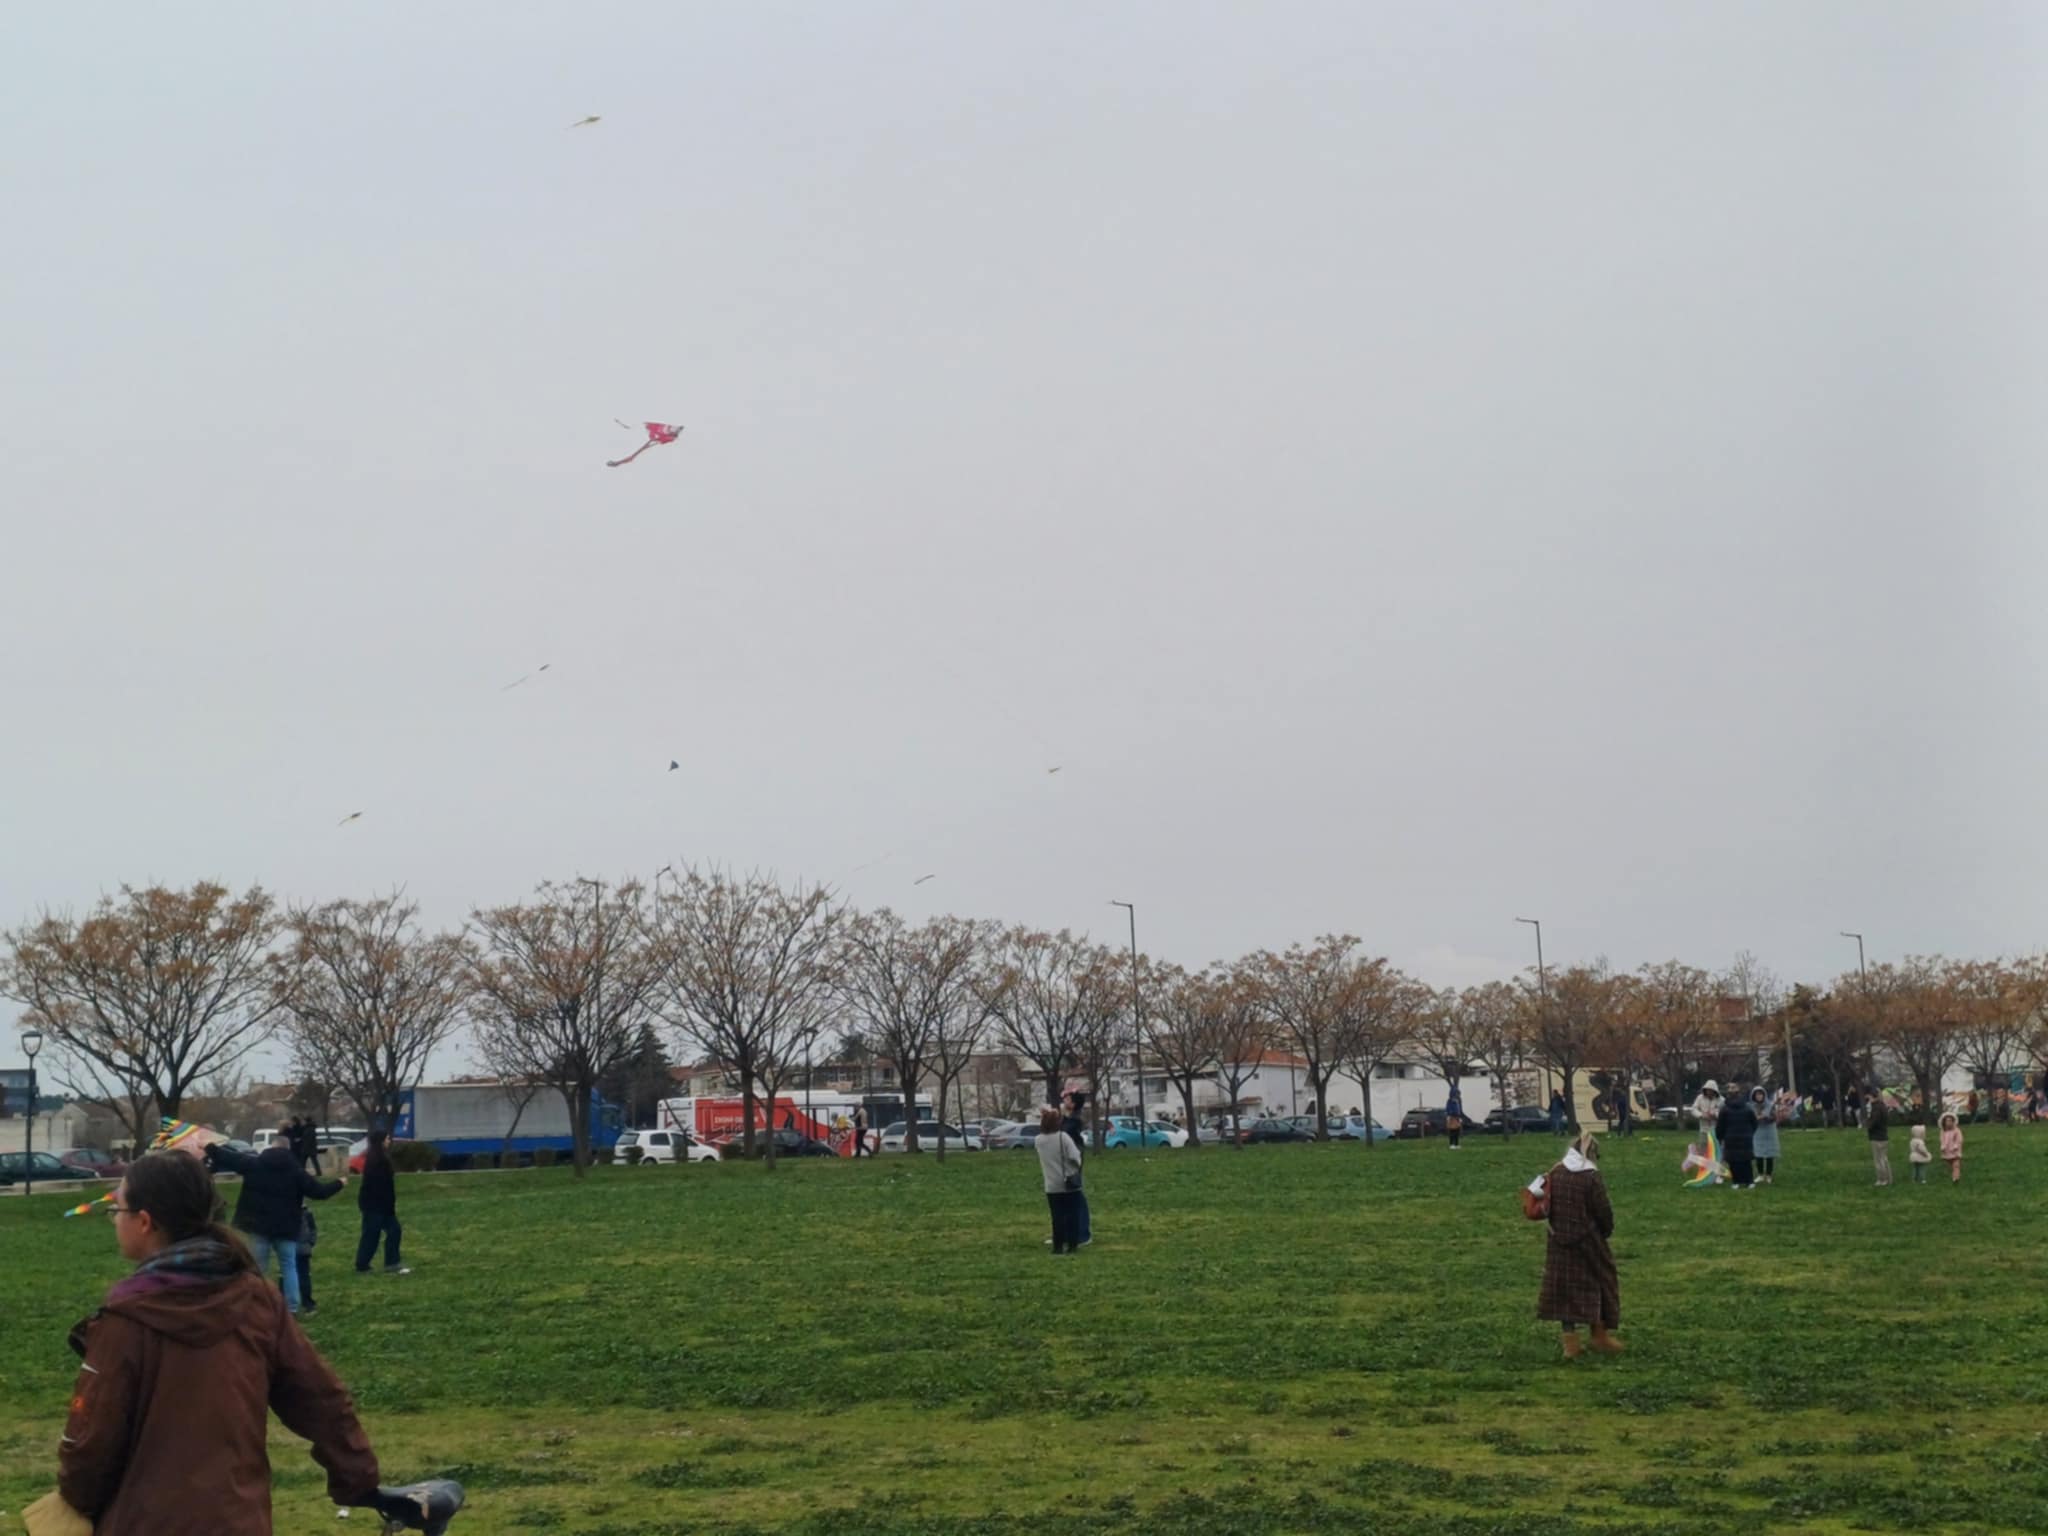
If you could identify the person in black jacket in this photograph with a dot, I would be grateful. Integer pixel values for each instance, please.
(275, 1190)
(1738, 1140)
(306, 1144)
(378, 1201)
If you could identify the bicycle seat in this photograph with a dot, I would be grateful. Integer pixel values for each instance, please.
(420, 1506)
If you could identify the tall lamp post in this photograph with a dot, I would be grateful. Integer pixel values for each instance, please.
(1863, 979)
(1542, 976)
(1138, 1022)
(31, 1042)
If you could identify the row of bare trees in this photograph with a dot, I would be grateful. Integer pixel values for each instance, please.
(156, 992)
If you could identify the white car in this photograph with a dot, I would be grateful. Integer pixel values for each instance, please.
(895, 1137)
(664, 1147)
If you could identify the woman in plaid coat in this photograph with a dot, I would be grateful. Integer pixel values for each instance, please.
(1580, 1283)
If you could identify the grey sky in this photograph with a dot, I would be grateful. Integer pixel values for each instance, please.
(1411, 464)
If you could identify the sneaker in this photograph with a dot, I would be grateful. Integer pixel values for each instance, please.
(309, 1311)
(401, 1270)
(1086, 1241)
(1048, 1242)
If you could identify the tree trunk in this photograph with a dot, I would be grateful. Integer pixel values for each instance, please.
(579, 1126)
(747, 1102)
(1187, 1104)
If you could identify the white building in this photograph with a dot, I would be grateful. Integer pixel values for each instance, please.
(1278, 1084)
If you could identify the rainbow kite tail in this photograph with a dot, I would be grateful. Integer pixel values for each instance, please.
(80, 1210)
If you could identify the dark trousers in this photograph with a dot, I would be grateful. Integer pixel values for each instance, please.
(1068, 1209)
(1741, 1169)
(1454, 1132)
(860, 1140)
(378, 1224)
(1767, 1166)
(305, 1262)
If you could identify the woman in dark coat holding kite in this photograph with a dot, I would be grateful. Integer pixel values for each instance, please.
(1580, 1282)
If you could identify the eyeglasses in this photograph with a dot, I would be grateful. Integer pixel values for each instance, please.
(120, 1210)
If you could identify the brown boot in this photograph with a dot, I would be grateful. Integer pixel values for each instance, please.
(1606, 1342)
(1571, 1345)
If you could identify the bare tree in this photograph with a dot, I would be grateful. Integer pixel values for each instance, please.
(367, 998)
(2000, 1009)
(125, 1094)
(1501, 1020)
(1380, 1010)
(1761, 991)
(1576, 1023)
(749, 976)
(1309, 992)
(1450, 1036)
(958, 990)
(157, 990)
(1920, 1018)
(1039, 991)
(1668, 1016)
(562, 984)
(1837, 1027)
(884, 971)
(1242, 1018)
(1185, 1031)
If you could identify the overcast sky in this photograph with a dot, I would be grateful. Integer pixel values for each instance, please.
(1410, 465)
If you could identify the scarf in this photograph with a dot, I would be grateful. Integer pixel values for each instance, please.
(195, 1261)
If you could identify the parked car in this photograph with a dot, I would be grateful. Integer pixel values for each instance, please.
(1665, 1114)
(1015, 1138)
(895, 1136)
(1123, 1131)
(92, 1163)
(1525, 1117)
(1257, 1132)
(1418, 1123)
(1358, 1128)
(663, 1147)
(16, 1166)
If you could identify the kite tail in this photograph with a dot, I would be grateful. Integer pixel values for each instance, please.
(629, 458)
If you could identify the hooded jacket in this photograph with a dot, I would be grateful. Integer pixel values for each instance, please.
(169, 1418)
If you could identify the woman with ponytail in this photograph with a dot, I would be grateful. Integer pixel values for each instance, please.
(183, 1365)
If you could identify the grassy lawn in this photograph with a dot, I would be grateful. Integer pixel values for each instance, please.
(1282, 1339)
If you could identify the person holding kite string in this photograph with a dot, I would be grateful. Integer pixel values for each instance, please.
(183, 1365)
(1580, 1283)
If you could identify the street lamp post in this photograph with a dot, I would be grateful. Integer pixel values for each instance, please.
(31, 1042)
(1863, 981)
(1138, 1021)
(1542, 985)
(596, 997)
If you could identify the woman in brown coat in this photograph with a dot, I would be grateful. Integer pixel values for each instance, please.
(1580, 1283)
(183, 1366)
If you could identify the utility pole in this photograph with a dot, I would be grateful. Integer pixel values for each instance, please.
(1138, 1023)
(1542, 983)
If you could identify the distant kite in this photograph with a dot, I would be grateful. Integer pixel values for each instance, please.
(1051, 771)
(673, 765)
(585, 122)
(351, 816)
(920, 880)
(535, 673)
(658, 435)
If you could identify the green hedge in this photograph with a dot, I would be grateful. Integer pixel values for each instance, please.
(415, 1156)
(544, 1158)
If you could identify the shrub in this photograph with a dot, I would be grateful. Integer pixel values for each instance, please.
(415, 1156)
(604, 1155)
(544, 1158)
(633, 1156)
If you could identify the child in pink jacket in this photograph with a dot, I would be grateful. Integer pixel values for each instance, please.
(1952, 1147)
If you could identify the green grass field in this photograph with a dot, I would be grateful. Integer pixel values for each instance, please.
(1276, 1340)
